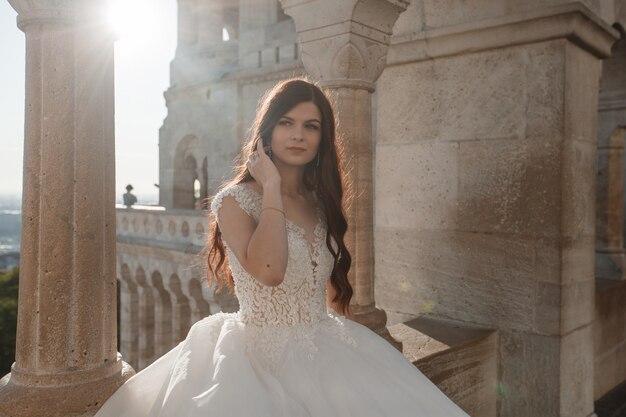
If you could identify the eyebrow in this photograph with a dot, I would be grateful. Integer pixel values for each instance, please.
(306, 121)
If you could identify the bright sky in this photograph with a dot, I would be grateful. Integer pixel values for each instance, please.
(142, 57)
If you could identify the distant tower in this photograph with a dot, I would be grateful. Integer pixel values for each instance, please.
(228, 54)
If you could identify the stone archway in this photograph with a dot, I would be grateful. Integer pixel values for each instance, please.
(185, 172)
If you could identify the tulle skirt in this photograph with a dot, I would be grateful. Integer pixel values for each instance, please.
(227, 368)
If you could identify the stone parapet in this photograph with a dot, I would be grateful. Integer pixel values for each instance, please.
(460, 360)
(175, 229)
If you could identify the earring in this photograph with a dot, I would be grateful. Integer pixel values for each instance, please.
(318, 159)
(270, 153)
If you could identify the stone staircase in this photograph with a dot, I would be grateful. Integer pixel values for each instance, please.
(461, 361)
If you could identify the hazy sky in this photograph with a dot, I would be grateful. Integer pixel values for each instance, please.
(142, 57)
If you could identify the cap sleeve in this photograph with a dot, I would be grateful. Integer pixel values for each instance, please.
(247, 199)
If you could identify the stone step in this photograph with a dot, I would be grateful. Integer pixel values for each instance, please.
(461, 361)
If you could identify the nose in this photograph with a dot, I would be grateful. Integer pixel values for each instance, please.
(297, 133)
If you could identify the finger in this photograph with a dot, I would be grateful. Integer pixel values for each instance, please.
(260, 149)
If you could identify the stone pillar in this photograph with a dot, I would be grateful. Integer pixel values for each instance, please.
(66, 357)
(146, 319)
(200, 307)
(129, 318)
(162, 316)
(346, 51)
(181, 312)
(486, 155)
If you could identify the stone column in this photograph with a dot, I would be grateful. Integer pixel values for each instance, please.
(146, 319)
(66, 357)
(181, 312)
(200, 307)
(346, 51)
(162, 316)
(129, 317)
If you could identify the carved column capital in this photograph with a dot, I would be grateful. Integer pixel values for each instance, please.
(348, 47)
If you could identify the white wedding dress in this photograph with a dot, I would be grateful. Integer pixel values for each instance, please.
(282, 354)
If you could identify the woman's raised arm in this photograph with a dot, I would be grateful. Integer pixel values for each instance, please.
(261, 248)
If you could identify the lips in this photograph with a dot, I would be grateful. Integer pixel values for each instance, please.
(295, 148)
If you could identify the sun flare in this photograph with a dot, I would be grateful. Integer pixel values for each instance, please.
(132, 20)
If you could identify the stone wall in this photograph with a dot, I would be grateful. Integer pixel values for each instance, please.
(485, 166)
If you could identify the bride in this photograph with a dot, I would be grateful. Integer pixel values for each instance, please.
(278, 241)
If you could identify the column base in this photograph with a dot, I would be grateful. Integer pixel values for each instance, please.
(77, 400)
(376, 320)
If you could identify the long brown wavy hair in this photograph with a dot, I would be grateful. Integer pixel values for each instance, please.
(325, 179)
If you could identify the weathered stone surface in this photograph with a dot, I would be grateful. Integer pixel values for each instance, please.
(609, 335)
(417, 185)
(439, 13)
(483, 279)
(528, 383)
(582, 80)
(578, 190)
(433, 100)
(577, 305)
(461, 361)
(510, 187)
(411, 21)
(576, 371)
(544, 95)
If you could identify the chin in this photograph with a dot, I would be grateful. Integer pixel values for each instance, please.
(291, 161)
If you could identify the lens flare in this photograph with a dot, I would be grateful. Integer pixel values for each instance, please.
(132, 20)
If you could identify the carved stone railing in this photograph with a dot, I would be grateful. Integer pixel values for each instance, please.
(161, 274)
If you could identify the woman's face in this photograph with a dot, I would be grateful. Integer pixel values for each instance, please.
(297, 134)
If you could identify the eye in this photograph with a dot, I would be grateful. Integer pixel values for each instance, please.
(312, 126)
(284, 122)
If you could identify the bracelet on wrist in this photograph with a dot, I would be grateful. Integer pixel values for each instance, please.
(275, 209)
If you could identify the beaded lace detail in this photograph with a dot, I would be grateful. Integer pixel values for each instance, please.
(295, 310)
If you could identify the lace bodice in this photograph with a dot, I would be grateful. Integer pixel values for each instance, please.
(295, 310)
(301, 297)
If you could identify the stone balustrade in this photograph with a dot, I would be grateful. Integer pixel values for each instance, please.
(177, 229)
(161, 274)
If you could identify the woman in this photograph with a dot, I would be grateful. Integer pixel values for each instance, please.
(279, 226)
